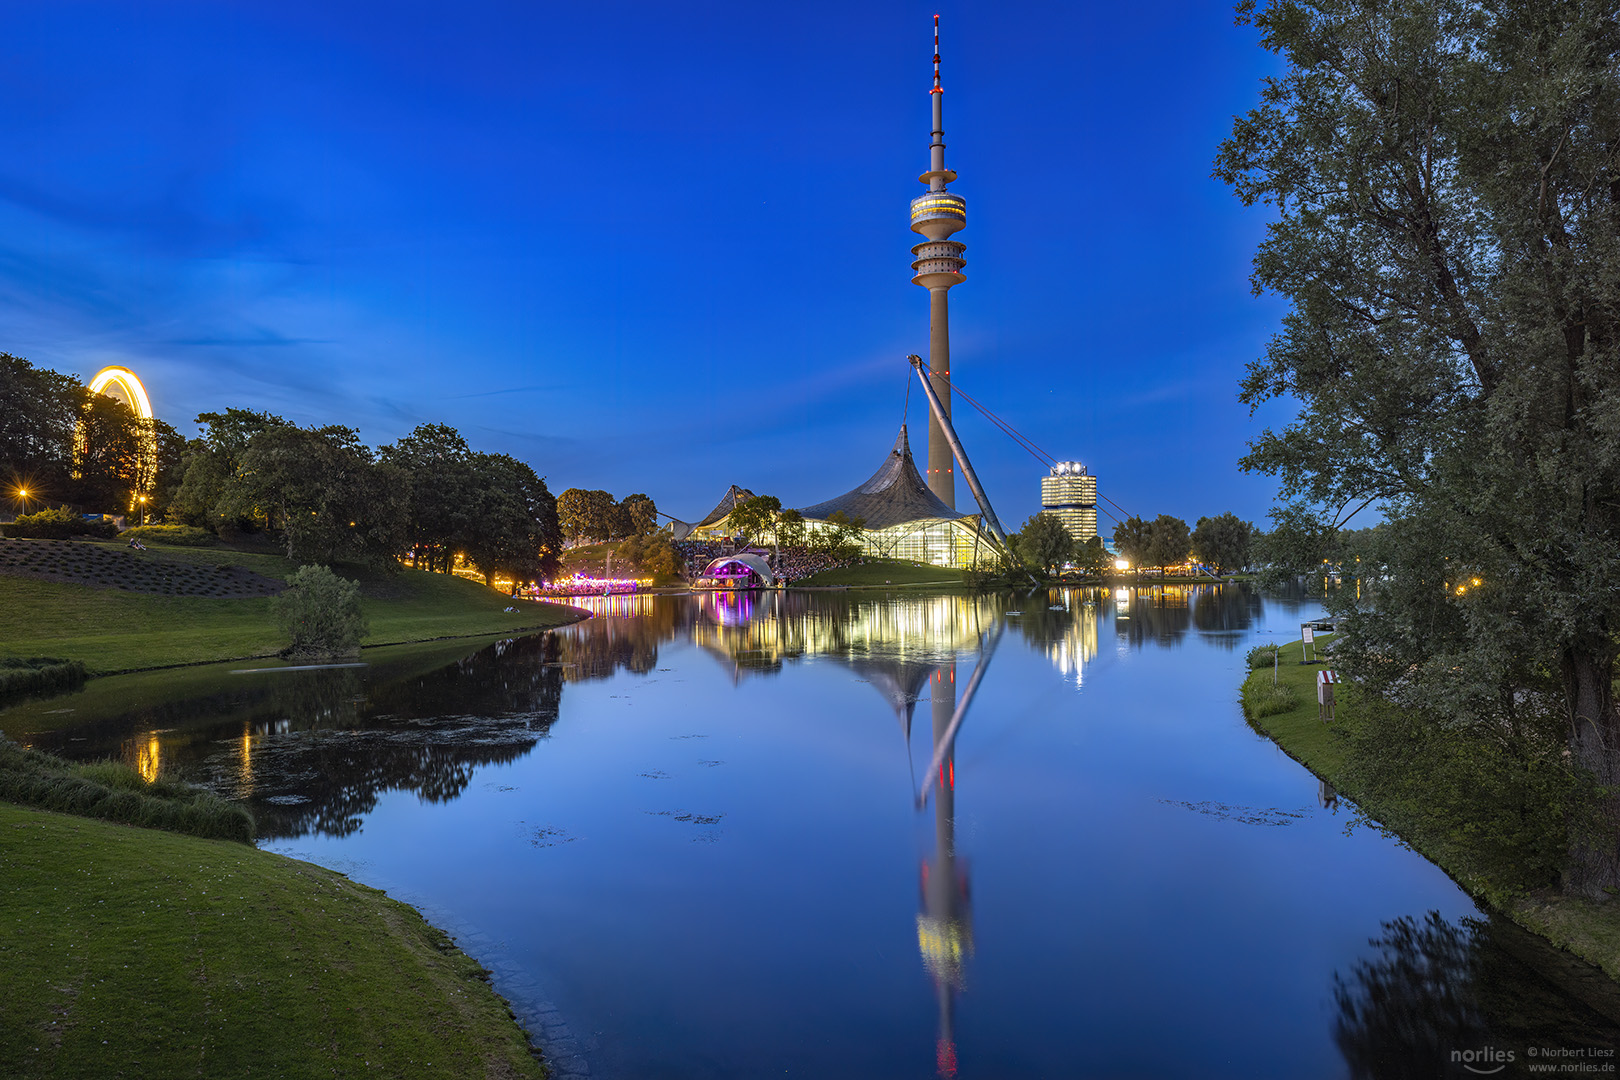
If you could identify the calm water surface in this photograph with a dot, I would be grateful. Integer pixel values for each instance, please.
(724, 836)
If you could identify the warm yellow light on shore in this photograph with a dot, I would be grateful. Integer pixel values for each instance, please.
(1122, 564)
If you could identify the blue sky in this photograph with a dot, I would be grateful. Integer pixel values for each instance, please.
(648, 247)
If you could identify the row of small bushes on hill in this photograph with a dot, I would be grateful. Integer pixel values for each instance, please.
(59, 524)
(38, 675)
(179, 535)
(113, 791)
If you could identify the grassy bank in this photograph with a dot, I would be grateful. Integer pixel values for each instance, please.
(135, 953)
(115, 791)
(1590, 931)
(114, 630)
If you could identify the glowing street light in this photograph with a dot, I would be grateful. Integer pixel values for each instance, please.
(1122, 564)
(23, 495)
(143, 509)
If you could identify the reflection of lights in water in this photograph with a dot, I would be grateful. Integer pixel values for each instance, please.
(1078, 645)
(613, 604)
(730, 608)
(245, 773)
(944, 944)
(149, 758)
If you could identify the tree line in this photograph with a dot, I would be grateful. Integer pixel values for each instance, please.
(1225, 543)
(319, 490)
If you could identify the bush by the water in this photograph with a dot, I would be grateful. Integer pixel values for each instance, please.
(320, 612)
(58, 524)
(181, 535)
(1500, 799)
(1263, 655)
(1261, 698)
(39, 674)
(114, 791)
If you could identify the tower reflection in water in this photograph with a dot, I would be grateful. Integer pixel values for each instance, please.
(945, 923)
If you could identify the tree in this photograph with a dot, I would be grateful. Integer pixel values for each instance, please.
(585, 515)
(211, 461)
(1169, 542)
(321, 614)
(441, 514)
(1222, 542)
(514, 530)
(840, 535)
(1132, 538)
(755, 518)
(642, 513)
(651, 554)
(1447, 233)
(790, 529)
(1044, 543)
(320, 487)
(38, 417)
(112, 459)
(1091, 558)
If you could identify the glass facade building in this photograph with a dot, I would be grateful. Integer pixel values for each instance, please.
(1069, 493)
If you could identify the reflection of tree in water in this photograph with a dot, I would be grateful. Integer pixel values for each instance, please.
(598, 647)
(1434, 988)
(1161, 614)
(322, 766)
(1226, 609)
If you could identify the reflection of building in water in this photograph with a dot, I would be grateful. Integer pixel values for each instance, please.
(1078, 645)
(757, 632)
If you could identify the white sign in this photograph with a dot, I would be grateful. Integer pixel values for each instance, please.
(1310, 636)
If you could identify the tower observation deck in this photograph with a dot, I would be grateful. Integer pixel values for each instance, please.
(937, 265)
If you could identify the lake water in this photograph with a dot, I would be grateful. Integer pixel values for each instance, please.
(726, 836)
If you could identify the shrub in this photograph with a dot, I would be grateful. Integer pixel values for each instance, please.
(320, 612)
(1261, 698)
(58, 524)
(1263, 655)
(180, 535)
(39, 675)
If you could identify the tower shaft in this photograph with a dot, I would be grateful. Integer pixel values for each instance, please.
(937, 265)
(941, 463)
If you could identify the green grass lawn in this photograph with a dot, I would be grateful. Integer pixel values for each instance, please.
(1590, 931)
(111, 630)
(882, 572)
(129, 952)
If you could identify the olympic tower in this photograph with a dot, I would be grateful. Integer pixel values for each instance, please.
(937, 266)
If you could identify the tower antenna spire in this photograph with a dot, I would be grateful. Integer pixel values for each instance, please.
(937, 88)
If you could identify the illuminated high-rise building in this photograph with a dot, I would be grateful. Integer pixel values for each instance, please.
(1069, 493)
(937, 265)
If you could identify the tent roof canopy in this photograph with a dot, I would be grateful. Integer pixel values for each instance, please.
(895, 495)
(728, 502)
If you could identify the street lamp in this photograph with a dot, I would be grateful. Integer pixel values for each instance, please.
(143, 509)
(22, 495)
